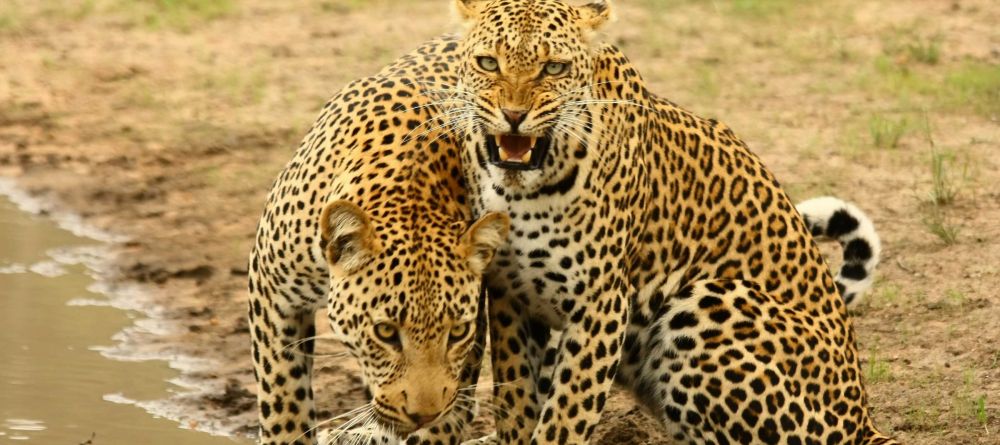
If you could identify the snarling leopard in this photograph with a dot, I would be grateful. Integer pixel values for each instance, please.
(648, 246)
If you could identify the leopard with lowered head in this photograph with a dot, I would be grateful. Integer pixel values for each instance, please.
(369, 220)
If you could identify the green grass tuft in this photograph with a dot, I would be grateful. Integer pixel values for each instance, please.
(84, 10)
(971, 85)
(888, 294)
(906, 45)
(877, 370)
(917, 49)
(707, 82)
(343, 6)
(11, 17)
(208, 9)
(925, 51)
(921, 419)
(887, 132)
(976, 85)
(980, 410)
(240, 86)
(178, 14)
(752, 9)
(966, 403)
(759, 8)
(955, 297)
(940, 224)
(944, 185)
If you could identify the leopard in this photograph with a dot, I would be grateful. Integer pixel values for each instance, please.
(282, 373)
(649, 247)
(369, 220)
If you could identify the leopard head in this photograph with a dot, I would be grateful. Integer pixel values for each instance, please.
(528, 68)
(406, 300)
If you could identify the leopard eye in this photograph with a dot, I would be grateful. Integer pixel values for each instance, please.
(387, 333)
(459, 332)
(555, 68)
(488, 63)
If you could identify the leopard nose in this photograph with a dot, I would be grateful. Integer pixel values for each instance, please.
(421, 419)
(514, 117)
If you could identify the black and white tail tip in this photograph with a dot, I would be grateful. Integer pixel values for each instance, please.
(832, 218)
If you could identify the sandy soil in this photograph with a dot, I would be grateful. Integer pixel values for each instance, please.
(168, 123)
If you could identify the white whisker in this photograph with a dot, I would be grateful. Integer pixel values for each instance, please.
(580, 122)
(575, 123)
(442, 102)
(612, 102)
(363, 432)
(449, 91)
(346, 426)
(427, 82)
(436, 119)
(566, 130)
(307, 339)
(334, 418)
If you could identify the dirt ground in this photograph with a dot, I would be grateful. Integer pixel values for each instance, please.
(167, 120)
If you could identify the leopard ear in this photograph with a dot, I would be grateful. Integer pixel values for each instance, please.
(347, 237)
(595, 14)
(483, 238)
(468, 11)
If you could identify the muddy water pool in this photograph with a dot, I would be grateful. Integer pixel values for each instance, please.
(56, 386)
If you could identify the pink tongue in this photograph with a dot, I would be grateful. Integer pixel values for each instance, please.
(515, 146)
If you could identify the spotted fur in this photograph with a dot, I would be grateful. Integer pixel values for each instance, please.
(649, 246)
(370, 220)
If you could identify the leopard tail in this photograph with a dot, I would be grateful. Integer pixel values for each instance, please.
(834, 219)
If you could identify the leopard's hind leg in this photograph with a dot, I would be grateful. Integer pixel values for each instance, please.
(726, 363)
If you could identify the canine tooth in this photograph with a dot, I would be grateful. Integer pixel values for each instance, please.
(503, 155)
(533, 140)
(496, 138)
(527, 156)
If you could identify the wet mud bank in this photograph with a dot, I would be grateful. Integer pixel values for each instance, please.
(76, 362)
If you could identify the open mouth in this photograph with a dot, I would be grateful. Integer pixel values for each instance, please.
(517, 152)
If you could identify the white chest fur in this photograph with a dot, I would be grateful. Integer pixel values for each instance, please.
(539, 262)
